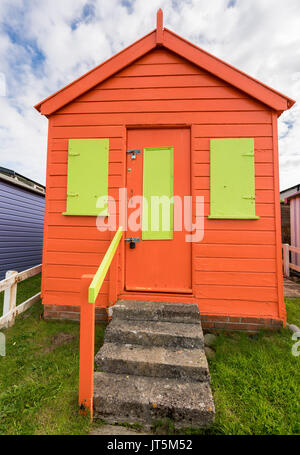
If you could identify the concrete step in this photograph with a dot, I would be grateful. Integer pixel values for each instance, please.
(155, 361)
(120, 398)
(155, 333)
(157, 311)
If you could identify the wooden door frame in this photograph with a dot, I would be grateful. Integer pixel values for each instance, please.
(121, 270)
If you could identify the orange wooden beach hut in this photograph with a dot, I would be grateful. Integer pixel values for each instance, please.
(165, 116)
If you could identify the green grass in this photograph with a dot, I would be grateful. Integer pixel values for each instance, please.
(38, 387)
(255, 379)
(255, 383)
(293, 311)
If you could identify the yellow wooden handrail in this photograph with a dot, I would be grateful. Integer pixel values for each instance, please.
(104, 266)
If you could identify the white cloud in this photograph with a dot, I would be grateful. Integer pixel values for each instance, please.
(46, 44)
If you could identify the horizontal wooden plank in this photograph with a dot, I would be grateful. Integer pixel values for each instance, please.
(68, 271)
(261, 196)
(235, 264)
(68, 285)
(264, 196)
(100, 107)
(235, 251)
(62, 169)
(261, 169)
(89, 259)
(62, 144)
(160, 69)
(203, 143)
(232, 130)
(55, 181)
(86, 132)
(262, 224)
(159, 56)
(61, 157)
(56, 219)
(193, 80)
(79, 233)
(60, 207)
(261, 156)
(157, 93)
(59, 193)
(239, 237)
(77, 246)
(70, 298)
(213, 118)
(244, 307)
(261, 183)
(237, 278)
(237, 292)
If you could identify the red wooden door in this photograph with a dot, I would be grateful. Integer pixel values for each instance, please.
(158, 265)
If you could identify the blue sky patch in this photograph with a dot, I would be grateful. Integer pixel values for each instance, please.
(87, 15)
(231, 3)
(128, 5)
(32, 55)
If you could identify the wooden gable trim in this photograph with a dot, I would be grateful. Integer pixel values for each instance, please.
(228, 73)
(97, 75)
(168, 39)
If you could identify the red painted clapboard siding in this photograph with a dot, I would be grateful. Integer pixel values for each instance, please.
(162, 88)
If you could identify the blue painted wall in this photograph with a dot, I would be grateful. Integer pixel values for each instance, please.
(21, 228)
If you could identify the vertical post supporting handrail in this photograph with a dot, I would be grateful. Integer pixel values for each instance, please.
(286, 259)
(86, 351)
(113, 277)
(90, 288)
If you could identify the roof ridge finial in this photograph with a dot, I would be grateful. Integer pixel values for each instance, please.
(159, 28)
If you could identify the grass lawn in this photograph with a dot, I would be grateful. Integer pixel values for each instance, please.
(255, 379)
(39, 375)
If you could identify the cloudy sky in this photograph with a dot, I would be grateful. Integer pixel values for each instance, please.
(45, 44)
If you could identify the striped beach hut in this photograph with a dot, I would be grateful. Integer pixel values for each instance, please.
(294, 201)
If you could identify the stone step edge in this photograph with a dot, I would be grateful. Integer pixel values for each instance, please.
(117, 361)
(146, 408)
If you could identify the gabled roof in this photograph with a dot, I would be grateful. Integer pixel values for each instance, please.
(292, 196)
(13, 177)
(291, 188)
(162, 37)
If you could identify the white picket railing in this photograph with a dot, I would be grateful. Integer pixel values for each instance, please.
(9, 286)
(287, 265)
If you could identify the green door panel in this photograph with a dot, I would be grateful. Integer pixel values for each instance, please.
(232, 179)
(158, 193)
(87, 176)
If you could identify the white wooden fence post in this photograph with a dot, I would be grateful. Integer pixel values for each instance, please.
(10, 296)
(9, 286)
(286, 259)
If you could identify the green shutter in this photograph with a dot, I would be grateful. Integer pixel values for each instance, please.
(87, 176)
(232, 179)
(157, 181)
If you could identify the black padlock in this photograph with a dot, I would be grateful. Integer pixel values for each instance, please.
(132, 245)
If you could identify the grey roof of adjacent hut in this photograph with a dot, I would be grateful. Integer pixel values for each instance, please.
(290, 188)
(20, 180)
